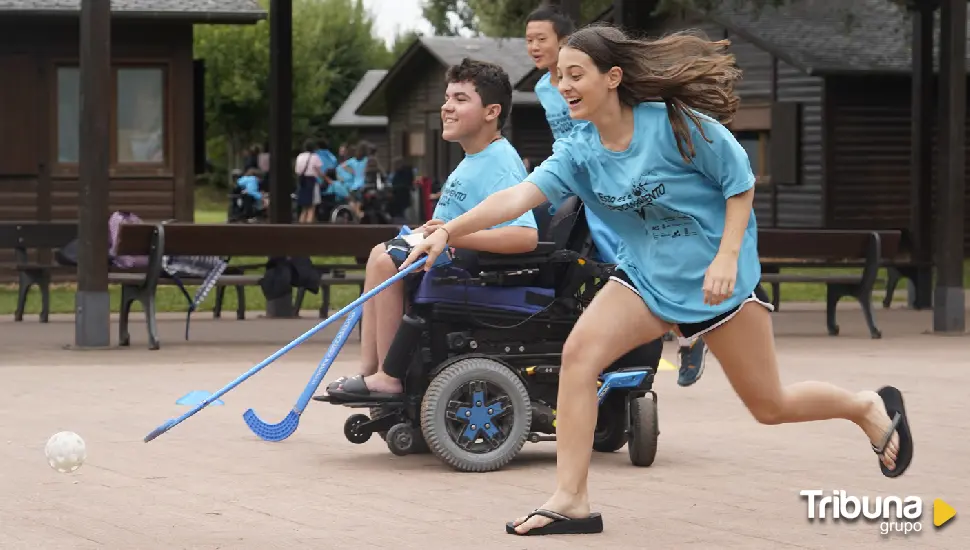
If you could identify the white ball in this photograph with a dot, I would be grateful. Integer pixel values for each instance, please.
(65, 452)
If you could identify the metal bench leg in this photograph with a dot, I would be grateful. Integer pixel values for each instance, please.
(240, 302)
(325, 301)
(870, 321)
(127, 298)
(833, 295)
(217, 308)
(45, 295)
(148, 303)
(892, 280)
(26, 281)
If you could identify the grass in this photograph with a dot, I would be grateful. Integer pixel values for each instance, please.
(211, 208)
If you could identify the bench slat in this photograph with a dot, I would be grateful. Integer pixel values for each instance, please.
(258, 239)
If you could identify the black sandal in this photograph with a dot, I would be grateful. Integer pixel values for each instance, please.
(893, 400)
(355, 389)
(561, 525)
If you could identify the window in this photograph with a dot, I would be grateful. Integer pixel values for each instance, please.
(140, 107)
(756, 143)
(68, 114)
(139, 130)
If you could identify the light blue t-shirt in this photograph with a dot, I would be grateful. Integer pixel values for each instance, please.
(360, 168)
(668, 214)
(480, 175)
(557, 115)
(250, 186)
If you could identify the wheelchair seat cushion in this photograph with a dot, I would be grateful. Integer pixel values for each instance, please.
(518, 299)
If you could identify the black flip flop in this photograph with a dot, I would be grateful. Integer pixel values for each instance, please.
(355, 389)
(561, 525)
(893, 399)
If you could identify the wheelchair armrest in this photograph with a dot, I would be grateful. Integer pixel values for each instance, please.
(542, 253)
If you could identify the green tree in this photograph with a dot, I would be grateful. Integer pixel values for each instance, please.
(449, 17)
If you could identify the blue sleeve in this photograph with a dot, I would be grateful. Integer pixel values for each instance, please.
(511, 179)
(724, 161)
(556, 174)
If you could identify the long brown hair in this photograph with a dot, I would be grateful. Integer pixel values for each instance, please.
(685, 70)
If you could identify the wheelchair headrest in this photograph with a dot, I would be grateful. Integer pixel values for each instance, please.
(567, 227)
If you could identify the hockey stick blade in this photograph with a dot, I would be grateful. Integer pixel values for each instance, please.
(287, 426)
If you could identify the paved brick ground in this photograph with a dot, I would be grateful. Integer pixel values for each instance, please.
(720, 480)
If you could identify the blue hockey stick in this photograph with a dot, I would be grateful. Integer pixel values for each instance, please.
(172, 422)
(286, 427)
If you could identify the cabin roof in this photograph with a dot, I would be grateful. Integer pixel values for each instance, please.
(196, 11)
(817, 36)
(509, 53)
(826, 36)
(347, 115)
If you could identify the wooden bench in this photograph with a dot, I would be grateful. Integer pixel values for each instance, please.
(826, 249)
(42, 238)
(227, 240)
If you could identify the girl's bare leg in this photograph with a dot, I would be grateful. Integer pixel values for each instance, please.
(597, 340)
(744, 346)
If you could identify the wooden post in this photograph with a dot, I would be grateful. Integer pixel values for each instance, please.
(921, 173)
(949, 308)
(281, 177)
(281, 110)
(92, 311)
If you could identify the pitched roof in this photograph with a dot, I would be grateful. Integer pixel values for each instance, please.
(818, 36)
(509, 53)
(347, 115)
(214, 11)
(828, 35)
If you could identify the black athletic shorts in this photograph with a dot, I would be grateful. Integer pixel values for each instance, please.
(692, 330)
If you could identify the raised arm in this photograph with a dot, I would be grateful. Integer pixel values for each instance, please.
(503, 206)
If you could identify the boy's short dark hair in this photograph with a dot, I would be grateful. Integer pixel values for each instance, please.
(561, 23)
(491, 82)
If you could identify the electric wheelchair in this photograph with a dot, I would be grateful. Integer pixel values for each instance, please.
(482, 354)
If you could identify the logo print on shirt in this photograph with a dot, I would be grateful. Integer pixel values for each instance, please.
(644, 191)
(452, 191)
(560, 123)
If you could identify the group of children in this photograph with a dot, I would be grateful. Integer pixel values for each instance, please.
(319, 172)
(668, 193)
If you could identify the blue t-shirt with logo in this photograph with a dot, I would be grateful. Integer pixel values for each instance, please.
(557, 115)
(668, 214)
(480, 175)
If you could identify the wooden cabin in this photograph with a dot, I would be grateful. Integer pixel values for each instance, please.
(411, 94)
(157, 133)
(368, 128)
(825, 106)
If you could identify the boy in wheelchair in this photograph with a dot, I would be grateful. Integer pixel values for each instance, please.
(477, 104)
(472, 371)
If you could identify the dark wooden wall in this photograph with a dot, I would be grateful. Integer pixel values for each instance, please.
(415, 109)
(32, 185)
(766, 79)
(530, 133)
(869, 146)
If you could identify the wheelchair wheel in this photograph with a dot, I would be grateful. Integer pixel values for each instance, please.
(644, 430)
(610, 435)
(343, 214)
(476, 415)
